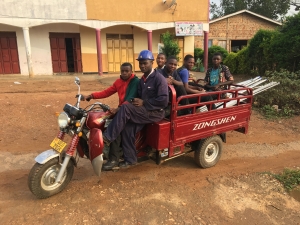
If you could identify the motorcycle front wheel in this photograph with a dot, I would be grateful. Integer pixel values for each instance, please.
(41, 179)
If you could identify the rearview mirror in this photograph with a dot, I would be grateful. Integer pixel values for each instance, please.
(77, 81)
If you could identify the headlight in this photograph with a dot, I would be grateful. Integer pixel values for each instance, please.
(63, 120)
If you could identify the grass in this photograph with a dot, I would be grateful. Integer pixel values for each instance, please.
(272, 114)
(289, 178)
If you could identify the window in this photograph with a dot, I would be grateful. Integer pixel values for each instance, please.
(210, 43)
(222, 44)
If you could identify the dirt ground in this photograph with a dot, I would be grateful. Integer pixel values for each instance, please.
(235, 191)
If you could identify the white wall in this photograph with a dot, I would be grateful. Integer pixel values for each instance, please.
(44, 9)
(40, 46)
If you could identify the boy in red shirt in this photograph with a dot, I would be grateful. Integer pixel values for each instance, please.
(126, 86)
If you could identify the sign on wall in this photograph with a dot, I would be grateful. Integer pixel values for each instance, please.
(189, 28)
(160, 46)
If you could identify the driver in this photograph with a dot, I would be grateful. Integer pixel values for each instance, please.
(147, 108)
(126, 86)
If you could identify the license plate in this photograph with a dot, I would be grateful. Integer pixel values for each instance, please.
(58, 145)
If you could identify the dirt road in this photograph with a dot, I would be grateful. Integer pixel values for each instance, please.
(235, 191)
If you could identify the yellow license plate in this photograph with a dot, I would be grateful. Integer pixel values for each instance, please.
(58, 145)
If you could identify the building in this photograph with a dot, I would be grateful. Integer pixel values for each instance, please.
(233, 31)
(45, 37)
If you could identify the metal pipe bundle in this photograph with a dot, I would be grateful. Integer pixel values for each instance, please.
(252, 83)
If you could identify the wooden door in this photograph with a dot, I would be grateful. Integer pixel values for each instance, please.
(77, 55)
(127, 51)
(119, 50)
(9, 57)
(113, 55)
(58, 54)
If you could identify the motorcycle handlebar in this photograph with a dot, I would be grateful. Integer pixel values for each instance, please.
(102, 106)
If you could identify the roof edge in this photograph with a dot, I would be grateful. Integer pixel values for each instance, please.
(245, 11)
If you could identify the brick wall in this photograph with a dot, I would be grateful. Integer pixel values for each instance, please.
(239, 27)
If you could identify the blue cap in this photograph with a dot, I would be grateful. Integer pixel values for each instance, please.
(145, 54)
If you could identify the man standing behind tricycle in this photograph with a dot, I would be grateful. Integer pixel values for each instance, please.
(147, 108)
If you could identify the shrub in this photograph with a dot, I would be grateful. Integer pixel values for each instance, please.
(286, 95)
(259, 51)
(243, 66)
(198, 53)
(170, 45)
(213, 49)
(231, 62)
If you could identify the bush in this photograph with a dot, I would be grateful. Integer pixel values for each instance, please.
(260, 55)
(231, 62)
(212, 50)
(286, 45)
(243, 66)
(198, 53)
(171, 47)
(286, 95)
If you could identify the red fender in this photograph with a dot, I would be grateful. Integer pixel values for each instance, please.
(95, 143)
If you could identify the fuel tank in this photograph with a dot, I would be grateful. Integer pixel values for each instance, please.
(96, 119)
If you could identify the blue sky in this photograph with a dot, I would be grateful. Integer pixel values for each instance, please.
(290, 12)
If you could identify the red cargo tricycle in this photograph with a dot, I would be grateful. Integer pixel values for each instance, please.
(202, 131)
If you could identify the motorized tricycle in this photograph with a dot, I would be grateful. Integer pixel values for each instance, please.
(174, 136)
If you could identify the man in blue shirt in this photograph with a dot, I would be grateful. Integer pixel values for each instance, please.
(184, 74)
(183, 71)
(147, 108)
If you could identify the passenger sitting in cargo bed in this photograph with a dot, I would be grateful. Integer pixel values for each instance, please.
(173, 78)
(183, 71)
(218, 77)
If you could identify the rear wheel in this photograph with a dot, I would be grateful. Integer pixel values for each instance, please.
(41, 179)
(209, 152)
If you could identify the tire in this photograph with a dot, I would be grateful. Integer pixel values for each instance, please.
(209, 151)
(42, 177)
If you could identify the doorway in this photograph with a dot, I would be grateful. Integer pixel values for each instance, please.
(65, 52)
(237, 45)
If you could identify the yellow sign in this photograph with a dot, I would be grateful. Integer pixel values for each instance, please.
(58, 145)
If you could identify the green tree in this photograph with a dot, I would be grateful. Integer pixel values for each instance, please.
(273, 9)
(286, 46)
(215, 11)
(170, 45)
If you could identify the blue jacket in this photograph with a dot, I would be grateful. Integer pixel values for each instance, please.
(154, 91)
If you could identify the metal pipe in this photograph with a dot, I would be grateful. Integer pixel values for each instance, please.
(62, 169)
(206, 50)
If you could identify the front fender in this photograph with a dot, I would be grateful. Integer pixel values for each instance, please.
(46, 156)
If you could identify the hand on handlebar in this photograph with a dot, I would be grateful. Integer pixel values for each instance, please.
(86, 97)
